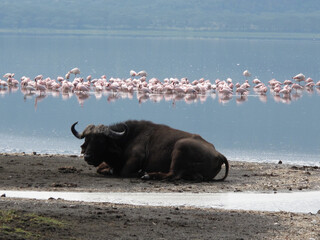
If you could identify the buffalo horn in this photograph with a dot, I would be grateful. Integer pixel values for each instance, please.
(74, 131)
(115, 134)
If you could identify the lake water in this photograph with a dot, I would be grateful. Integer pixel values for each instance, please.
(262, 128)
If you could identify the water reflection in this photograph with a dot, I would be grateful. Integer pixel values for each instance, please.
(298, 202)
(154, 90)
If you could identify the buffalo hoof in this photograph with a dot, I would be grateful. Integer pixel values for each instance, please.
(146, 176)
(104, 169)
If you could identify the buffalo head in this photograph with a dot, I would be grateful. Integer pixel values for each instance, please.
(100, 143)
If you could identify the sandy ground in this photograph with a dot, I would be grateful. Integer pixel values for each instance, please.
(58, 219)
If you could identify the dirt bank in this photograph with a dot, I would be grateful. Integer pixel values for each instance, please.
(58, 219)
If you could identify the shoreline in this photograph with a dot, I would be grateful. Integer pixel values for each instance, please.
(87, 220)
(71, 173)
(162, 33)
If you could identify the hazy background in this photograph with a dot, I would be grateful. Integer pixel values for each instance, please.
(274, 16)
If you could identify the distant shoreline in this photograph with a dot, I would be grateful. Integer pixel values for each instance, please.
(175, 33)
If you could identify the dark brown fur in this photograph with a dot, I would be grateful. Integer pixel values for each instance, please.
(155, 150)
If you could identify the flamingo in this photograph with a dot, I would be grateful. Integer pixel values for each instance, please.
(3, 83)
(308, 80)
(297, 86)
(309, 85)
(246, 73)
(241, 90)
(8, 75)
(287, 82)
(65, 87)
(277, 89)
(82, 88)
(40, 87)
(133, 73)
(75, 71)
(142, 73)
(299, 78)
(256, 81)
(67, 75)
(39, 77)
(13, 82)
(285, 91)
(30, 88)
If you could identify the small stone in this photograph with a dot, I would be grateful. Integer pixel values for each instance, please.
(280, 162)
(3, 195)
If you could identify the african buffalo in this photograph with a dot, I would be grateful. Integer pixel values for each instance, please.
(151, 151)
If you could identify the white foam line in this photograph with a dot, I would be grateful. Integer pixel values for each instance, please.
(302, 202)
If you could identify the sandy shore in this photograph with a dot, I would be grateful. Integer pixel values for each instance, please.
(78, 220)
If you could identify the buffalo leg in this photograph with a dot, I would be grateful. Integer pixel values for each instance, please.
(104, 169)
(186, 162)
(173, 174)
(158, 176)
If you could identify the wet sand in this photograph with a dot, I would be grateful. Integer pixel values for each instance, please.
(114, 221)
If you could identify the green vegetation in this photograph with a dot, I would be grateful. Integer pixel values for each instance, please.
(19, 225)
(205, 18)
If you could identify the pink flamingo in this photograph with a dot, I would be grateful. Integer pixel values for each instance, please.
(256, 81)
(309, 85)
(66, 87)
(277, 89)
(67, 75)
(299, 78)
(308, 80)
(3, 83)
(133, 73)
(75, 71)
(142, 73)
(40, 87)
(246, 73)
(8, 75)
(297, 86)
(287, 82)
(82, 88)
(285, 91)
(241, 90)
(39, 77)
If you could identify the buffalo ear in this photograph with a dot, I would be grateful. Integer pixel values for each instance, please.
(75, 132)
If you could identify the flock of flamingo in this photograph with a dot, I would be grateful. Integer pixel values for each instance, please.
(170, 89)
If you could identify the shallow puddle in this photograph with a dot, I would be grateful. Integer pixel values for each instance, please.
(304, 202)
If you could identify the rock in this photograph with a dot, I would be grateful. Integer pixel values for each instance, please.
(67, 170)
(3, 195)
(280, 162)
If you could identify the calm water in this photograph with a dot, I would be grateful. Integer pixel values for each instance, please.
(259, 129)
(298, 202)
